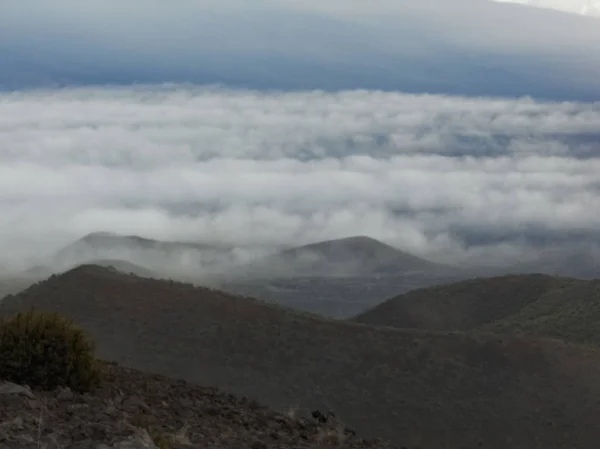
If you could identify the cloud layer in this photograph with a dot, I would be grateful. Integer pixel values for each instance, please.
(449, 178)
(466, 47)
(584, 7)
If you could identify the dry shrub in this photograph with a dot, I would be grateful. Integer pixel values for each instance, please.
(46, 350)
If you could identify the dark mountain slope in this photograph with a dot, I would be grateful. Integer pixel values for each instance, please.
(538, 305)
(463, 305)
(417, 388)
(570, 312)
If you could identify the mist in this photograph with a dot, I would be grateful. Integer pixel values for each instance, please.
(453, 179)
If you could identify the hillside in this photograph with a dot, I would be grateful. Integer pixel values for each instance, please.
(346, 257)
(130, 409)
(416, 388)
(538, 305)
(570, 312)
(111, 240)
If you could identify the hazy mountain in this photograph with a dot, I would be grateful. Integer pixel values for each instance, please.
(335, 297)
(336, 278)
(174, 258)
(104, 242)
(357, 256)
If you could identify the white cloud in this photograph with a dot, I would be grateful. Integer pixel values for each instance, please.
(427, 173)
(589, 8)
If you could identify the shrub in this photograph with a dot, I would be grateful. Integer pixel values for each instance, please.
(159, 439)
(46, 350)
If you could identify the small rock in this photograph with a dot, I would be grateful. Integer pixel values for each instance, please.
(65, 394)
(76, 407)
(33, 403)
(141, 440)
(25, 439)
(186, 402)
(9, 389)
(16, 424)
(134, 402)
(87, 444)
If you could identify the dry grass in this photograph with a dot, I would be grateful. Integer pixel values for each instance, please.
(181, 436)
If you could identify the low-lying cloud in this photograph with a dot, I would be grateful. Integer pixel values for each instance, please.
(454, 179)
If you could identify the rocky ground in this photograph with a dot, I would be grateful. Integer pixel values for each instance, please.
(134, 410)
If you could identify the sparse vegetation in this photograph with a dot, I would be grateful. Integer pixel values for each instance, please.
(46, 350)
(159, 439)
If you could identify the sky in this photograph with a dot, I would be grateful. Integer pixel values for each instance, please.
(460, 47)
(449, 178)
(465, 131)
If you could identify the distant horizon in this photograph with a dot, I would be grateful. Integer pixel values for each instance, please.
(453, 47)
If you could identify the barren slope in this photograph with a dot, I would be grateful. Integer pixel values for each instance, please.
(437, 390)
(537, 304)
(463, 305)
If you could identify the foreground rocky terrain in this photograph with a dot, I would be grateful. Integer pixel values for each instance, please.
(134, 410)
